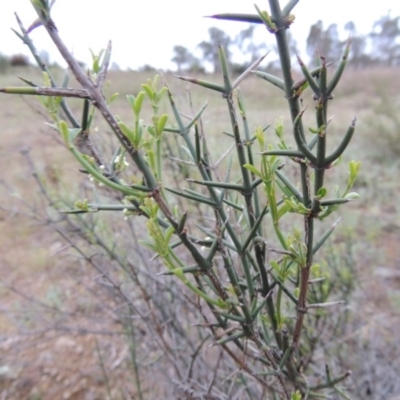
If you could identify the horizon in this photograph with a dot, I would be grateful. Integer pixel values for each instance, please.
(156, 16)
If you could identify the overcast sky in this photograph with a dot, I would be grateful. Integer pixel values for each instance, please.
(144, 32)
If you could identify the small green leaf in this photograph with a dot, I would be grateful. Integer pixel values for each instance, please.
(96, 65)
(283, 210)
(322, 192)
(128, 132)
(354, 167)
(291, 204)
(179, 273)
(73, 133)
(151, 130)
(161, 123)
(89, 159)
(253, 169)
(302, 209)
(149, 91)
(131, 99)
(151, 159)
(222, 304)
(266, 19)
(168, 233)
(137, 104)
(63, 129)
(279, 128)
(113, 97)
(275, 266)
(259, 135)
(295, 396)
(352, 196)
(160, 94)
(82, 205)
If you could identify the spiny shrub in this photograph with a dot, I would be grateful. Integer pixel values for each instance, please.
(242, 236)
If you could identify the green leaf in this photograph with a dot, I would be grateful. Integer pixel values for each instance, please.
(161, 123)
(113, 97)
(275, 266)
(296, 396)
(168, 233)
(151, 159)
(279, 128)
(352, 196)
(151, 130)
(322, 192)
(63, 129)
(253, 169)
(137, 104)
(283, 210)
(96, 64)
(128, 132)
(160, 94)
(354, 167)
(82, 205)
(149, 91)
(73, 133)
(222, 304)
(131, 99)
(266, 19)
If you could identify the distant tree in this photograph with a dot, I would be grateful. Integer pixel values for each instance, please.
(19, 60)
(183, 58)
(273, 66)
(147, 68)
(247, 46)
(385, 40)
(358, 56)
(196, 67)
(325, 42)
(333, 46)
(245, 35)
(315, 34)
(210, 48)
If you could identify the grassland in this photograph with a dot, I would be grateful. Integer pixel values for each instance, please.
(57, 333)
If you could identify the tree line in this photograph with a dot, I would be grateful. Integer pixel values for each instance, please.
(380, 47)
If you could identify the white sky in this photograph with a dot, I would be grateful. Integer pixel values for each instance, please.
(144, 32)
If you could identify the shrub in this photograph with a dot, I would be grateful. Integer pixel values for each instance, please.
(19, 60)
(239, 237)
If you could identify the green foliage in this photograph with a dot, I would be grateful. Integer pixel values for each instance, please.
(184, 59)
(233, 242)
(210, 48)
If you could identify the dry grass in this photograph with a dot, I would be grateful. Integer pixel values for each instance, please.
(49, 315)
